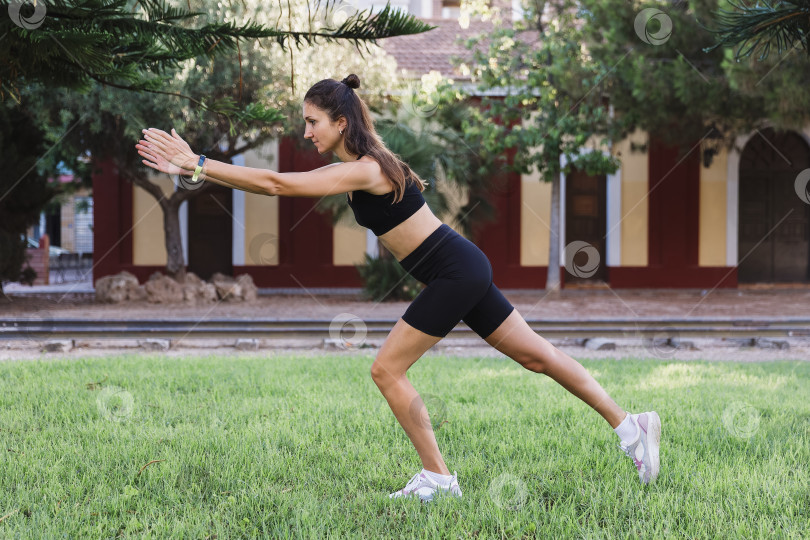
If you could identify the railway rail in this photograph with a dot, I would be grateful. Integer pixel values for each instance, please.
(190, 328)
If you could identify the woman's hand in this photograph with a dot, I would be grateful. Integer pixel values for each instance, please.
(167, 153)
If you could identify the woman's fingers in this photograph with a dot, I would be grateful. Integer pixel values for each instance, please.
(153, 158)
(155, 147)
(147, 154)
(159, 138)
(155, 141)
(155, 132)
(152, 146)
(162, 146)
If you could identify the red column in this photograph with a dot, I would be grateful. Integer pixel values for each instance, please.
(112, 221)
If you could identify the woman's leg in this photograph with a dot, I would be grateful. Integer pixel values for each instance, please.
(401, 349)
(518, 341)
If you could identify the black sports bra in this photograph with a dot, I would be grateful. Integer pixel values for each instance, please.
(379, 213)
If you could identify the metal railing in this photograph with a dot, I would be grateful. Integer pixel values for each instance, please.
(70, 267)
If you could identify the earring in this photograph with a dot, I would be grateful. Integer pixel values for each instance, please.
(340, 131)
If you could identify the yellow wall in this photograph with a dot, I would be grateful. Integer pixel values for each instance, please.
(261, 213)
(261, 229)
(712, 235)
(148, 244)
(348, 244)
(535, 215)
(535, 219)
(634, 206)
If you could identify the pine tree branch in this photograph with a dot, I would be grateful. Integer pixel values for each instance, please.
(78, 41)
(755, 28)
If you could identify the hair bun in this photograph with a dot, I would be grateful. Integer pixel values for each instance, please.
(352, 81)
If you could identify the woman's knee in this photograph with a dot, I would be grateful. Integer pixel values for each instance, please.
(537, 357)
(531, 360)
(383, 374)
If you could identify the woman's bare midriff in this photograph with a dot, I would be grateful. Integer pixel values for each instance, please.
(405, 237)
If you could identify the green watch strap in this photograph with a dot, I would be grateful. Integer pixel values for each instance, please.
(198, 169)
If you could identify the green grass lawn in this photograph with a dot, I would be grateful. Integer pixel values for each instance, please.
(306, 447)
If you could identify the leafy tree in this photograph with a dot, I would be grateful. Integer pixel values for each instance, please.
(549, 108)
(23, 189)
(661, 80)
(665, 82)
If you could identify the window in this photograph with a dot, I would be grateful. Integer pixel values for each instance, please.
(83, 225)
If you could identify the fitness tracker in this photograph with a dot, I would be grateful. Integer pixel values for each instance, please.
(199, 168)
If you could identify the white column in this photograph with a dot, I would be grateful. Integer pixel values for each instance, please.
(562, 213)
(732, 200)
(238, 225)
(183, 211)
(427, 9)
(613, 242)
(372, 249)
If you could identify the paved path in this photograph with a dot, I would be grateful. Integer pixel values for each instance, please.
(535, 304)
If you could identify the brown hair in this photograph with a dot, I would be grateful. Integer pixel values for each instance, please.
(339, 99)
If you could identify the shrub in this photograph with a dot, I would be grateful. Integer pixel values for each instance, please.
(385, 280)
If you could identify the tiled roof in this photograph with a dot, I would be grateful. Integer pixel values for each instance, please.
(432, 50)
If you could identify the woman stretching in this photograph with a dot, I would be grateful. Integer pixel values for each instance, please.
(386, 197)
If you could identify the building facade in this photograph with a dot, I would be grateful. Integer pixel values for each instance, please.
(662, 220)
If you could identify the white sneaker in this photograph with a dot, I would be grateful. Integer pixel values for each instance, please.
(420, 485)
(644, 449)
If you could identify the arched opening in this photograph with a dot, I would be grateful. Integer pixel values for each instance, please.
(774, 222)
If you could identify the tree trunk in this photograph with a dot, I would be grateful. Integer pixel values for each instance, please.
(175, 263)
(553, 275)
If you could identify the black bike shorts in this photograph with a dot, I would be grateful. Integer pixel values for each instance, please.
(458, 279)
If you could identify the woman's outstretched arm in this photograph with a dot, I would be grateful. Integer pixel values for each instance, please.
(172, 155)
(161, 148)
